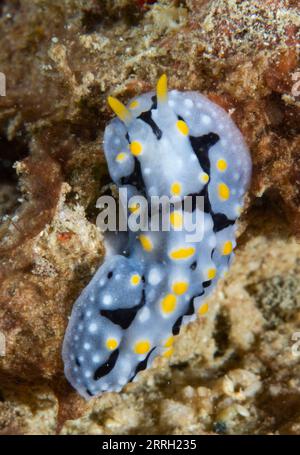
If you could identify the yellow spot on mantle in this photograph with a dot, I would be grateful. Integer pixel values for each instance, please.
(111, 343)
(121, 157)
(182, 253)
(134, 207)
(136, 148)
(211, 274)
(204, 177)
(223, 191)
(168, 303)
(227, 248)
(146, 242)
(134, 104)
(168, 352)
(221, 165)
(135, 279)
(169, 342)
(182, 127)
(203, 309)
(180, 287)
(176, 219)
(176, 189)
(142, 347)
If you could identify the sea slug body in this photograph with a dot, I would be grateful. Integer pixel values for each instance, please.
(173, 144)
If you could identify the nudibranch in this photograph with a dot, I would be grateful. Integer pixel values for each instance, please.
(174, 144)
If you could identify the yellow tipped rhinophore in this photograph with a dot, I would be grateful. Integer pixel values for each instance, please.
(162, 89)
(120, 109)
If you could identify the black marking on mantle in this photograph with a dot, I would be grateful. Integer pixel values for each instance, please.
(190, 310)
(176, 326)
(107, 366)
(221, 221)
(135, 178)
(142, 365)
(147, 118)
(201, 146)
(124, 316)
(154, 102)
